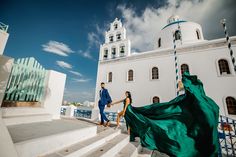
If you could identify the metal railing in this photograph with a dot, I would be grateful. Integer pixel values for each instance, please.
(227, 136)
(3, 27)
(83, 113)
(26, 81)
(113, 115)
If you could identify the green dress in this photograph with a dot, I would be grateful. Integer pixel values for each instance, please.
(184, 127)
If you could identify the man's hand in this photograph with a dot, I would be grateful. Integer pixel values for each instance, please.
(109, 105)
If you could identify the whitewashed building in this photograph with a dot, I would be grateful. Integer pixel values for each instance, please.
(151, 75)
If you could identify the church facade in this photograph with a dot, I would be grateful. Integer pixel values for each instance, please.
(151, 76)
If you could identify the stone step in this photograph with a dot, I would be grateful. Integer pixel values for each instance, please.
(23, 115)
(24, 119)
(130, 150)
(37, 139)
(81, 148)
(110, 148)
(134, 149)
(21, 111)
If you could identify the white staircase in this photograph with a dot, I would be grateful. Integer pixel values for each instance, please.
(35, 139)
(74, 138)
(108, 142)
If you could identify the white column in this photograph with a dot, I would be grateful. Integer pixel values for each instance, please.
(54, 93)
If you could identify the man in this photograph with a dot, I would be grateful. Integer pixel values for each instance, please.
(104, 100)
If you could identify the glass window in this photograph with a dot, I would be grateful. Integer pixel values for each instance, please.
(159, 42)
(231, 105)
(155, 99)
(130, 75)
(223, 66)
(110, 77)
(155, 74)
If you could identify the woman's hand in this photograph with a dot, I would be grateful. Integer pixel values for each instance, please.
(123, 113)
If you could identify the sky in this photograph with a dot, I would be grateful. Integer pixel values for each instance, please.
(65, 35)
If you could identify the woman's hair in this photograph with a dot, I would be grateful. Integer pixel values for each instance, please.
(129, 96)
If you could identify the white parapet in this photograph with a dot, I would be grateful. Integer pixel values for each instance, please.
(5, 70)
(54, 93)
(3, 40)
(70, 111)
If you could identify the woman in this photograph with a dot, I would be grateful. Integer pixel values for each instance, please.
(184, 127)
(127, 101)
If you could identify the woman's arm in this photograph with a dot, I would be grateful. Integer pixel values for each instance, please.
(127, 102)
(113, 103)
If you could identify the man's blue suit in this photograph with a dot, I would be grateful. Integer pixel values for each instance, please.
(103, 101)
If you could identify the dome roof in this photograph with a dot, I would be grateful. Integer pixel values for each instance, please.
(173, 18)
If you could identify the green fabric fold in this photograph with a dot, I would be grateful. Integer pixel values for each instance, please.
(184, 127)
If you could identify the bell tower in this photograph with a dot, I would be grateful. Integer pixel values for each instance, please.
(3, 37)
(116, 44)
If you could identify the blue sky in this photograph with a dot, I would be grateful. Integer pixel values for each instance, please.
(64, 35)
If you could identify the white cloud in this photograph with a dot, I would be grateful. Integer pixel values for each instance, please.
(64, 64)
(142, 29)
(86, 54)
(81, 80)
(76, 73)
(94, 41)
(58, 48)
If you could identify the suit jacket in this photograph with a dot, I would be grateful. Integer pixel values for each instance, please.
(104, 97)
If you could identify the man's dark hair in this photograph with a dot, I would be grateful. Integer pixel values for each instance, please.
(102, 83)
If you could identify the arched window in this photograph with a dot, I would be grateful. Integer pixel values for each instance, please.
(223, 66)
(155, 74)
(231, 105)
(122, 51)
(155, 99)
(177, 35)
(115, 26)
(198, 34)
(111, 38)
(159, 42)
(113, 52)
(184, 68)
(130, 75)
(105, 55)
(118, 36)
(110, 77)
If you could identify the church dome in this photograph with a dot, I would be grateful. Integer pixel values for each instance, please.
(185, 32)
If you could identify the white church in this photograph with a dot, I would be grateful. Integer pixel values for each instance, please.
(150, 76)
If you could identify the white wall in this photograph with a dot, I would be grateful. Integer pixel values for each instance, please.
(3, 40)
(7, 148)
(54, 93)
(202, 62)
(5, 70)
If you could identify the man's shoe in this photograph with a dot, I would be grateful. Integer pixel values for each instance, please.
(107, 124)
(100, 123)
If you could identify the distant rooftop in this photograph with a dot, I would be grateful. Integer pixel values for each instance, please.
(3, 27)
